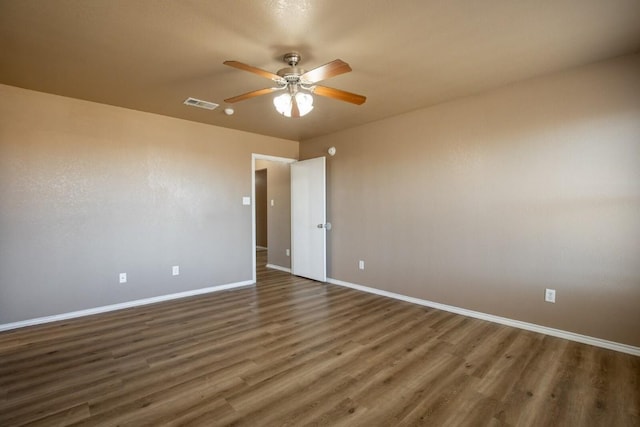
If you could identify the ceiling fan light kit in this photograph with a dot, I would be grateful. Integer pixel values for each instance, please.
(285, 103)
(299, 85)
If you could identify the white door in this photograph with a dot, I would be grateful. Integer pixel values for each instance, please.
(308, 219)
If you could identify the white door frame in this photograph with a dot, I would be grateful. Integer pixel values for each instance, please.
(254, 157)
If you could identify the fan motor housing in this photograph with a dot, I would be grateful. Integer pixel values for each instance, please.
(291, 74)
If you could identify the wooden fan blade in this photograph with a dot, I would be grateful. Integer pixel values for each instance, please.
(250, 95)
(341, 95)
(251, 69)
(323, 72)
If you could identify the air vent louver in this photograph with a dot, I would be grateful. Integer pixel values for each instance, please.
(200, 103)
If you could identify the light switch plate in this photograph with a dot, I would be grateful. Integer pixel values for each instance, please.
(246, 201)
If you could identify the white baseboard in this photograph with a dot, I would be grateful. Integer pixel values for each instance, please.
(120, 306)
(277, 267)
(611, 345)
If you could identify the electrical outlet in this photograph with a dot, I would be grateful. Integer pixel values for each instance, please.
(123, 278)
(361, 265)
(175, 270)
(288, 252)
(550, 295)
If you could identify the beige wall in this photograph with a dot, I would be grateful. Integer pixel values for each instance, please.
(278, 215)
(484, 202)
(88, 191)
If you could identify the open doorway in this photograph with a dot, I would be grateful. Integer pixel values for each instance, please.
(274, 209)
(262, 223)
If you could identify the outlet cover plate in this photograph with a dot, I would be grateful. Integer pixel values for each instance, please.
(550, 295)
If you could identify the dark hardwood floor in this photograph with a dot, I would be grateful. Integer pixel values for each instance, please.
(290, 351)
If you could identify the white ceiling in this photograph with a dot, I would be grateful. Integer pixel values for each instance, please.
(150, 55)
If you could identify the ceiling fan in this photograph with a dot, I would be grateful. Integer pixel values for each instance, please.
(298, 85)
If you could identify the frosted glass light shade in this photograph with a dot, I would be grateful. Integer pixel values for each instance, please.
(284, 105)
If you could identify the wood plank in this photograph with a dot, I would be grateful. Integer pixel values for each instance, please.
(295, 352)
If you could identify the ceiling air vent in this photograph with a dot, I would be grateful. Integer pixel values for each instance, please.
(200, 103)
